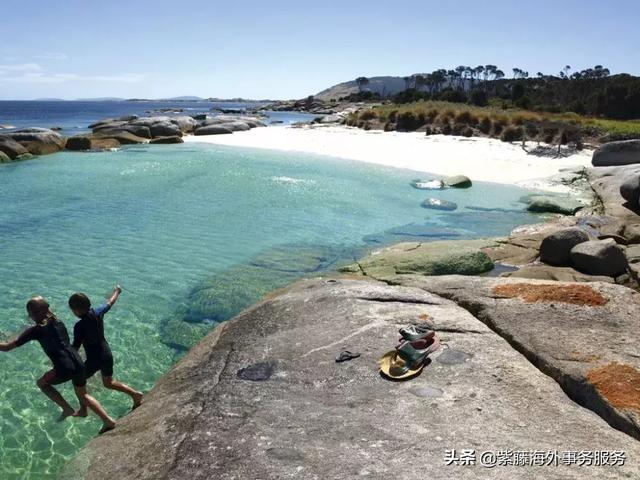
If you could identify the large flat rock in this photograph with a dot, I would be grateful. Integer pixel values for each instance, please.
(311, 418)
(563, 334)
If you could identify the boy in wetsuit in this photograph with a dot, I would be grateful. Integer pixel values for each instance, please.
(89, 331)
(67, 364)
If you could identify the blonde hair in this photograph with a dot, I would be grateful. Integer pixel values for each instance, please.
(38, 307)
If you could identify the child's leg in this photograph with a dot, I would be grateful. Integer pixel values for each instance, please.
(44, 383)
(95, 407)
(112, 384)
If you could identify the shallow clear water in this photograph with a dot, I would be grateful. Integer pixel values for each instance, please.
(162, 220)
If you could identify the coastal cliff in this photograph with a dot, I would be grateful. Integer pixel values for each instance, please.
(528, 365)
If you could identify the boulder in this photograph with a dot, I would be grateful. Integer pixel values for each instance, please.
(141, 131)
(123, 119)
(236, 126)
(89, 142)
(212, 130)
(11, 148)
(123, 137)
(4, 158)
(457, 181)
(166, 140)
(632, 233)
(39, 141)
(274, 404)
(599, 257)
(558, 274)
(553, 204)
(625, 152)
(555, 249)
(439, 204)
(463, 257)
(185, 123)
(630, 189)
(165, 129)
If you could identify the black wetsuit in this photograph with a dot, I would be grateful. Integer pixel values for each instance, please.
(54, 340)
(89, 331)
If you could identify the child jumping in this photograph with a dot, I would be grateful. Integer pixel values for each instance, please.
(67, 364)
(89, 331)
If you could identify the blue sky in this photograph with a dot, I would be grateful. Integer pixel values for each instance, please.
(290, 49)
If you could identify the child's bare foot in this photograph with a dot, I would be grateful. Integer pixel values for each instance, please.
(81, 413)
(107, 427)
(65, 413)
(137, 400)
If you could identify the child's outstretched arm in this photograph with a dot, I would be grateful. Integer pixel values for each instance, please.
(7, 346)
(114, 296)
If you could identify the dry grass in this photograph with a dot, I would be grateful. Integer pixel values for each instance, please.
(619, 384)
(531, 292)
(442, 113)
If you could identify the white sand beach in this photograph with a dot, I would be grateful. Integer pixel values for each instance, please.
(481, 159)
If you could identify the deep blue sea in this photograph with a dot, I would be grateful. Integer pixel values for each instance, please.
(194, 233)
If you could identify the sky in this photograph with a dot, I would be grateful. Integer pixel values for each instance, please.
(290, 49)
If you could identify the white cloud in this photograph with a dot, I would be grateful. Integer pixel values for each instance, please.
(34, 73)
(20, 67)
(53, 56)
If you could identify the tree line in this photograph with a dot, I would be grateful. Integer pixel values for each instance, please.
(592, 91)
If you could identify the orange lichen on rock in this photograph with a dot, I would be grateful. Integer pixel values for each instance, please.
(619, 384)
(424, 317)
(532, 292)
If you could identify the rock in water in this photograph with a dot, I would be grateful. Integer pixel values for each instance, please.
(630, 190)
(611, 154)
(439, 204)
(165, 140)
(599, 257)
(551, 204)
(555, 249)
(4, 158)
(427, 184)
(464, 257)
(39, 141)
(458, 181)
(11, 148)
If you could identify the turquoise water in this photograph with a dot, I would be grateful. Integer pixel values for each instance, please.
(169, 222)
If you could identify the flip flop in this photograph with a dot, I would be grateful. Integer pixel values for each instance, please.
(346, 355)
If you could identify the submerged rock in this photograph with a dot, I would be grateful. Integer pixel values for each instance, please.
(553, 204)
(410, 232)
(439, 204)
(463, 257)
(427, 184)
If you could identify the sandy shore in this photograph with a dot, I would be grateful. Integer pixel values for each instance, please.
(480, 159)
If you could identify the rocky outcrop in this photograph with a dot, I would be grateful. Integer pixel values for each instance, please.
(541, 271)
(167, 140)
(464, 257)
(38, 141)
(213, 130)
(274, 404)
(88, 142)
(617, 153)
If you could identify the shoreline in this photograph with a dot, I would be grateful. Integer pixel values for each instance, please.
(481, 159)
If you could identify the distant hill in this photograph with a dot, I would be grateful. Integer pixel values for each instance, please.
(383, 85)
(100, 99)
